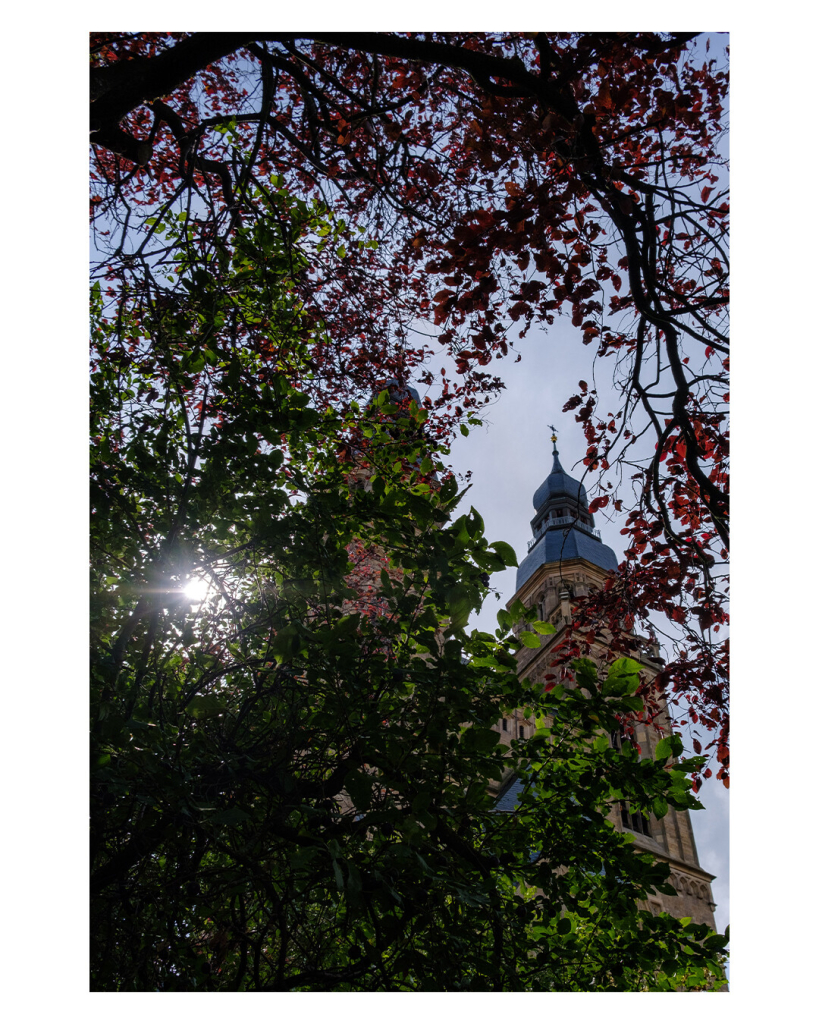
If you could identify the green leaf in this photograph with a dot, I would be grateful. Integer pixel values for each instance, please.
(662, 750)
(585, 672)
(506, 552)
(505, 620)
(460, 600)
(194, 362)
(625, 667)
(529, 640)
(205, 706)
(232, 816)
(623, 677)
(669, 746)
(339, 874)
(421, 802)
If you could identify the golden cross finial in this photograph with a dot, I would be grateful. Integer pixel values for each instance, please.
(553, 429)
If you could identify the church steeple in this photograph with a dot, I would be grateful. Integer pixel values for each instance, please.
(562, 526)
(568, 562)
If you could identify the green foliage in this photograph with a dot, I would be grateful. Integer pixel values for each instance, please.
(290, 774)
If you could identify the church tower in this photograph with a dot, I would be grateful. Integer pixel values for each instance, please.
(567, 559)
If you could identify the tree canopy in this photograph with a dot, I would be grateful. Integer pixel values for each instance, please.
(292, 751)
(480, 185)
(291, 767)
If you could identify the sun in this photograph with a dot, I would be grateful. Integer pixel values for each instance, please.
(196, 589)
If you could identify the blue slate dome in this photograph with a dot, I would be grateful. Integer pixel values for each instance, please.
(558, 484)
(554, 546)
(563, 527)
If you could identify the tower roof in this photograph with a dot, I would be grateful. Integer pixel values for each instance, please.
(558, 484)
(560, 546)
(563, 527)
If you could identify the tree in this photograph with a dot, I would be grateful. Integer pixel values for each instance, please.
(485, 183)
(291, 769)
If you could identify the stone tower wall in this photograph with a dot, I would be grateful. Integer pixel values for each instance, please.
(671, 838)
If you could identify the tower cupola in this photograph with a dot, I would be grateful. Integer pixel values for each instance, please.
(562, 526)
(560, 495)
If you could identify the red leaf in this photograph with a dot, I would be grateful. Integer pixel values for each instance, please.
(604, 97)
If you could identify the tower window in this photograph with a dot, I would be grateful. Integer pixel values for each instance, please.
(520, 732)
(634, 820)
(504, 725)
(618, 738)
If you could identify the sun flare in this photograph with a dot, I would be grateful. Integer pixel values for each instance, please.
(196, 589)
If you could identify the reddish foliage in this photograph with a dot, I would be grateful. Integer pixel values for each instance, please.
(507, 179)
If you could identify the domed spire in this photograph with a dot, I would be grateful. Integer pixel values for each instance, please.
(559, 485)
(563, 527)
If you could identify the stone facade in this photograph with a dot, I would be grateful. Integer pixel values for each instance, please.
(671, 838)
